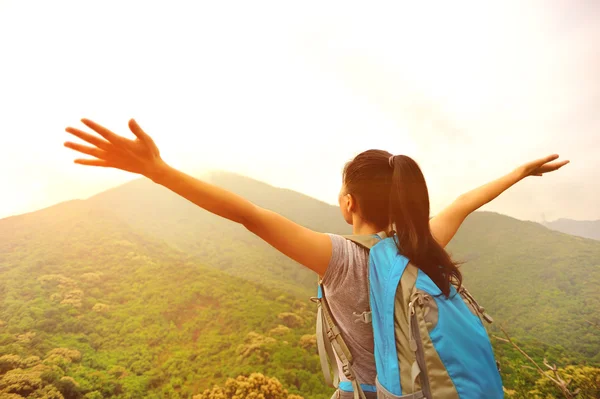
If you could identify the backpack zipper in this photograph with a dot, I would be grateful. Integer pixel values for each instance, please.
(417, 346)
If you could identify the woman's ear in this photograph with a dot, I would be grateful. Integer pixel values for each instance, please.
(350, 203)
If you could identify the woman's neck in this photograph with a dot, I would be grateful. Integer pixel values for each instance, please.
(360, 227)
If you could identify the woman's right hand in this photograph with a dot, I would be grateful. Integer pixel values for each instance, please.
(139, 156)
(541, 166)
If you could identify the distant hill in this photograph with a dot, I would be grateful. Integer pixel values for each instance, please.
(581, 228)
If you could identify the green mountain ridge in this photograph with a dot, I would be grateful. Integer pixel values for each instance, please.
(163, 299)
(136, 308)
(218, 242)
(556, 281)
(538, 282)
(555, 274)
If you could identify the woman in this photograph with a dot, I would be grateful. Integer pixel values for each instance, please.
(379, 191)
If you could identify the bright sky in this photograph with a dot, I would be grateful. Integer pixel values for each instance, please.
(287, 92)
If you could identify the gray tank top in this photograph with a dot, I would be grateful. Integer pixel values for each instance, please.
(346, 288)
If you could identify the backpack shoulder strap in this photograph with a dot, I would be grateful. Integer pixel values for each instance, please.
(329, 340)
(367, 241)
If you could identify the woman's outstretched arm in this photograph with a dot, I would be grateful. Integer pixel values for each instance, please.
(445, 225)
(309, 248)
(141, 156)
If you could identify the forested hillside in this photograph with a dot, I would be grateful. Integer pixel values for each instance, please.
(136, 293)
(531, 278)
(89, 306)
(537, 282)
(218, 242)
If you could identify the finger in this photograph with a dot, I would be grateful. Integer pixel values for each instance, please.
(547, 159)
(93, 162)
(563, 163)
(104, 132)
(558, 165)
(97, 141)
(143, 136)
(84, 149)
(553, 166)
(137, 130)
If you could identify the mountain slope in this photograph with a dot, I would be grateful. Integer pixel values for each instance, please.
(124, 278)
(580, 228)
(218, 242)
(143, 319)
(537, 282)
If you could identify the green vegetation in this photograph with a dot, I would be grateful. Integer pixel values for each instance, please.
(136, 293)
(536, 282)
(255, 386)
(144, 320)
(523, 381)
(217, 242)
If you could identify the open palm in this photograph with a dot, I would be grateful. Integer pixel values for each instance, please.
(111, 150)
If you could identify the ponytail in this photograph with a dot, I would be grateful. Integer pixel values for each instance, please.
(409, 216)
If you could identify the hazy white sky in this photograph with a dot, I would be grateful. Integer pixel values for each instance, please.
(287, 92)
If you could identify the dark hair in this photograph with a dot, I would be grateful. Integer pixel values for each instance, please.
(397, 197)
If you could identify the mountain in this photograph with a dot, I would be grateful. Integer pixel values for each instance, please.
(136, 292)
(580, 228)
(92, 306)
(218, 242)
(536, 282)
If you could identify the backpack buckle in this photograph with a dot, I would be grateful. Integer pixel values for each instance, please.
(364, 317)
(347, 372)
(487, 317)
(332, 333)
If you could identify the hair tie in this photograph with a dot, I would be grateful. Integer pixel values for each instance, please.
(391, 161)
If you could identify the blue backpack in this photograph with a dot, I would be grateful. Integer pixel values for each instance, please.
(426, 345)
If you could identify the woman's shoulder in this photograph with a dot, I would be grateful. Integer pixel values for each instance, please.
(345, 255)
(344, 244)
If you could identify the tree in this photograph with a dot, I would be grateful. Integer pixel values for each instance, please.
(308, 341)
(584, 380)
(256, 386)
(290, 320)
